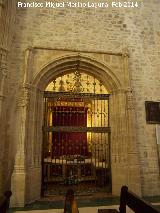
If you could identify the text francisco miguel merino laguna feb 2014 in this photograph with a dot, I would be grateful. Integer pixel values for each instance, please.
(49, 4)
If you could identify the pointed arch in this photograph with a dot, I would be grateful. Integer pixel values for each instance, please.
(73, 62)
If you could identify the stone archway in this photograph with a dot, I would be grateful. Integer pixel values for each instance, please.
(112, 70)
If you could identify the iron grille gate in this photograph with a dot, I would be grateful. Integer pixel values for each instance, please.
(76, 142)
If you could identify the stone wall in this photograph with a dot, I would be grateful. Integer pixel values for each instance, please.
(102, 30)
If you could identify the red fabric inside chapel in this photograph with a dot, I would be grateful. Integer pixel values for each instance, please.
(69, 143)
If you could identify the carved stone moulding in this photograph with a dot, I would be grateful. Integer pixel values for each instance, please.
(130, 104)
(25, 94)
(3, 62)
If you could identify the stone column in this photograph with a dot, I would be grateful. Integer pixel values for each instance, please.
(26, 178)
(27, 171)
(18, 186)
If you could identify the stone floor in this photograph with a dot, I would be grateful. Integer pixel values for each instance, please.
(86, 204)
(81, 210)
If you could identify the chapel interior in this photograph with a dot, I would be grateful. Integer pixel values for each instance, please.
(76, 135)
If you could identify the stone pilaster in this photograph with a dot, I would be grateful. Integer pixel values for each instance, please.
(3, 76)
(19, 173)
(132, 148)
(118, 140)
(7, 11)
(33, 158)
(26, 178)
(134, 181)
